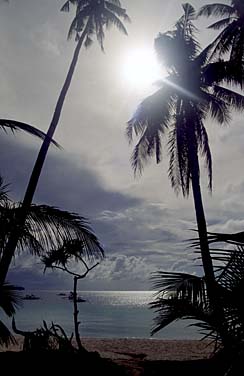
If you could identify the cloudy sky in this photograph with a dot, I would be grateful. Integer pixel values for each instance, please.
(141, 223)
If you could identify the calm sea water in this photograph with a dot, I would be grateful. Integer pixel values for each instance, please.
(104, 314)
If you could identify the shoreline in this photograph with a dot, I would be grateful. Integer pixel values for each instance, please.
(142, 349)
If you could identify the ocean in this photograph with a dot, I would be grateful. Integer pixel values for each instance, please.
(104, 314)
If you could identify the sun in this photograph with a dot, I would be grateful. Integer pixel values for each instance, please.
(140, 68)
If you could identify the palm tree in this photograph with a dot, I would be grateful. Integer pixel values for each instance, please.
(178, 109)
(92, 17)
(231, 38)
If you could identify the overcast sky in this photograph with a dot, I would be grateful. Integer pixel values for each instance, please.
(141, 223)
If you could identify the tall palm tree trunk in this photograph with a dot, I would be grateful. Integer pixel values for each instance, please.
(202, 228)
(31, 188)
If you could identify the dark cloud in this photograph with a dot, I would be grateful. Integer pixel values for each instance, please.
(66, 182)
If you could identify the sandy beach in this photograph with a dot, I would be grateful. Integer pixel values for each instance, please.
(141, 357)
(148, 349)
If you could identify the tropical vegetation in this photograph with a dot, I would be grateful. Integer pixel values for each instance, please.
(177, 111)
(199, 86)
(184, 296)
(46, 228)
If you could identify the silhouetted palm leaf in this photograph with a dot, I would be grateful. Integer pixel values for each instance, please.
(10, 298)
(3, 191)
(13, 126)
(231, 38)
(229, 268)
(180, 296)
(47, 227)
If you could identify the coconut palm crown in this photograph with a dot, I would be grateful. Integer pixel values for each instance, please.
(93, 16)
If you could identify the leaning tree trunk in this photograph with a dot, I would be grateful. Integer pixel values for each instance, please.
(31, 188)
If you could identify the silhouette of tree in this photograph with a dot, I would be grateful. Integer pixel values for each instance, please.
(61, 259)
(189, 94)
(45, 228)
(231, 38)
(92, 17)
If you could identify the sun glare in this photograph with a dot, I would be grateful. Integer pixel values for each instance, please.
(141, 69)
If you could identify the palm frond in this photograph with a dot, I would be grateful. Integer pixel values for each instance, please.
(79, 22)
(224, 41)
(233, 99)
(180, 295)
(224, 72)
(216, 10)
(168, 311)
(217, 108)
(204, 147)
(149, 122)
(117, 10)
(139, 157)
(10, 298)
(97, 15)
(221, 24)
(135, 125)
(52, 227)
(66, 6)
(173, 170)
(13, 125)
(48, 228)
(112, 19)
(183, 285)
(190, 13)
(3, 191)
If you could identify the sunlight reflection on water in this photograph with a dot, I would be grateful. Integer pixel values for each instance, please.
(103, 314)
